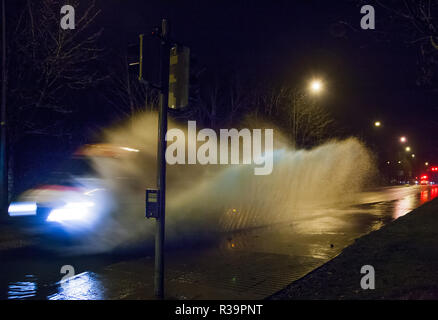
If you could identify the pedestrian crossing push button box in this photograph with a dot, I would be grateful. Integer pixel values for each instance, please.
(152, 203)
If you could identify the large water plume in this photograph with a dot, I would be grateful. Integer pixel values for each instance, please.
(205, 200)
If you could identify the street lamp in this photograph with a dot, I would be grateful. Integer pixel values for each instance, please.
(403, 139)
(408, 149)
(315, 86)
(377, 124)
(426, 164)
(413, 155)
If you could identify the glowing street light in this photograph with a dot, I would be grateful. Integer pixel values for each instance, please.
(413, 155)
(377, 124)
(408, 149)
(403, 139)
(315, 86)
(426, 164)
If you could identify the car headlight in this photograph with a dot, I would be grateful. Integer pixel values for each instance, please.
(22, 209)
(72, 211)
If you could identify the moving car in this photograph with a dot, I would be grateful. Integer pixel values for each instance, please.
(73, 199)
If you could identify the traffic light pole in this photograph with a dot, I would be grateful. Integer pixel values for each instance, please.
(161, 161)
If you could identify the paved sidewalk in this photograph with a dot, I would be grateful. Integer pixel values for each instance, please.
(403, 253)
(235, 275)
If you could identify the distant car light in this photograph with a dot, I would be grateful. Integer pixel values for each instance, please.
(72, 211)
(22, 209)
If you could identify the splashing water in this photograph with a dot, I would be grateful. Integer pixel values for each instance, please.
(205, 200)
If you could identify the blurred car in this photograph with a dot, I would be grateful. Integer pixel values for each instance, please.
(72, 200)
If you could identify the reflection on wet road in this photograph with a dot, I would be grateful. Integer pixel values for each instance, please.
(22, 289)
(250, 264)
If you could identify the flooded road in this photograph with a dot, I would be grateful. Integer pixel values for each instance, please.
(250, 264)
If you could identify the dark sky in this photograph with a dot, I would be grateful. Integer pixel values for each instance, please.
(367, 79)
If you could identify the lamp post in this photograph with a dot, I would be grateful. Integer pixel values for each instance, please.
(315, 87)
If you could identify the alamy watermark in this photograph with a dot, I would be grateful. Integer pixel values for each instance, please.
(68, 18)
(368, 21)
(69, 272)
(212, 152)
(368, 281)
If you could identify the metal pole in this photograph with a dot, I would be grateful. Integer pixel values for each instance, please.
(3, 141)
(161, 161)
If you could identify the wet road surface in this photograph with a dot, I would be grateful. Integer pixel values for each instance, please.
(250, 264)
